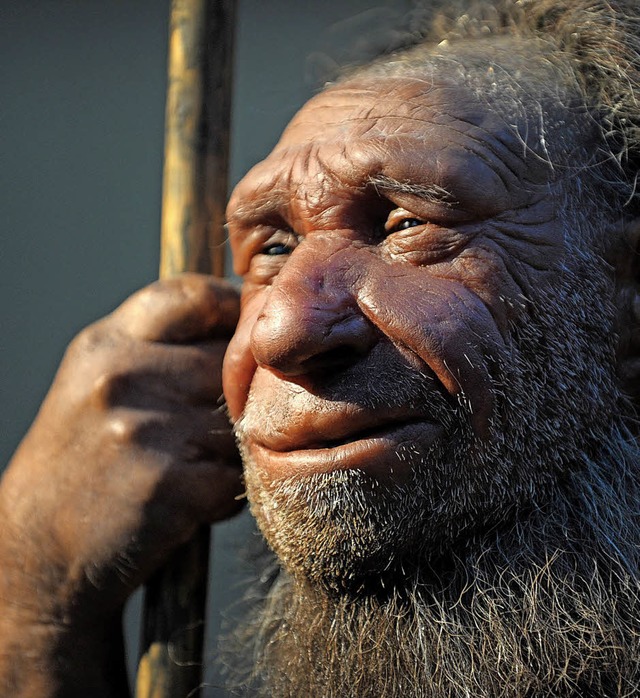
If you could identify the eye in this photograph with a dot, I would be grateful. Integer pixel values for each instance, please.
(401, 219)
(279, 243)
(403, 224)
(277, 248)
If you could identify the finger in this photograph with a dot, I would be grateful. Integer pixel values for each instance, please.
(186, 308)
(210, 491)
(200, 434)
(182, 438)
(157, 375)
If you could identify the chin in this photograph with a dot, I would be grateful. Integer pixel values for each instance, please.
(328, 528)
(350, 532)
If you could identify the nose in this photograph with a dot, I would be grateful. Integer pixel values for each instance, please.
(310, 321)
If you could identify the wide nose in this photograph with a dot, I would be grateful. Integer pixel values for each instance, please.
(310, 320)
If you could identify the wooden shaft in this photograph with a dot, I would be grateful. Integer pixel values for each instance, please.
(194, 198)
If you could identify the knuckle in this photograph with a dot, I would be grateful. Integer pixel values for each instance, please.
(107, 389)
(124, 428)
(208, 292)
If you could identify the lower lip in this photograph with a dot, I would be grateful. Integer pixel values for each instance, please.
(376, 454)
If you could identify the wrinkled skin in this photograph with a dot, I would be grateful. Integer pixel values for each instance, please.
(395, 248)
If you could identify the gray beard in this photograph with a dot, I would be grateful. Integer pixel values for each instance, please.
(548, 608)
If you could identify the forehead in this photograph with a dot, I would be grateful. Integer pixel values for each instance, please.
(383, 107)
(430, 132)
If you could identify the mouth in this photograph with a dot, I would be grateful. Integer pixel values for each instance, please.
(385, 450)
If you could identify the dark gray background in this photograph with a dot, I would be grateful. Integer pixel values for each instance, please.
(82, 87)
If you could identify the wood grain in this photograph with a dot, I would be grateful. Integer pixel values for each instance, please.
(194, 197)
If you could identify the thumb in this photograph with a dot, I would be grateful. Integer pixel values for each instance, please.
(187, 308)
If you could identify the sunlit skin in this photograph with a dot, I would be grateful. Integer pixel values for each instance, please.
(348, 273)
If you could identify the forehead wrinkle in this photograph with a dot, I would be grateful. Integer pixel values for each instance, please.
(505, 143)
(419, 107)
(365, 100)
(401, 101)
(267, 201)
(505, 146)
(370, 109)
(316, 184)
(259, 194)
(389, 126)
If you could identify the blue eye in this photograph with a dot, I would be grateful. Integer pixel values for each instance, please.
(276, 249)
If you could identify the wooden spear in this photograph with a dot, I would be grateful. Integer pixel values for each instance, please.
(194, 197)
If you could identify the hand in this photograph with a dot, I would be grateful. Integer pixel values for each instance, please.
(130, 452)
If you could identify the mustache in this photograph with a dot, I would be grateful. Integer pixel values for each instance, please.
(359, 388)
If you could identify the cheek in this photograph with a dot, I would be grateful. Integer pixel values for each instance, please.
(447, 326)
(239, 363)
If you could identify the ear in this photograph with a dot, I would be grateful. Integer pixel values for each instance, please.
(626, 263)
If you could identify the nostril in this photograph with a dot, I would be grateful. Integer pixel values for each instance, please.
(338, 357)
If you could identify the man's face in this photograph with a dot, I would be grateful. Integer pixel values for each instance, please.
(389, 367)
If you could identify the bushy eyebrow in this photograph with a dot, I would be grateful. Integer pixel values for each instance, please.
(266, 207)
(432, 193)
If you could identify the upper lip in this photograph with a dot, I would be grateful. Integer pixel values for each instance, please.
(328, 429)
